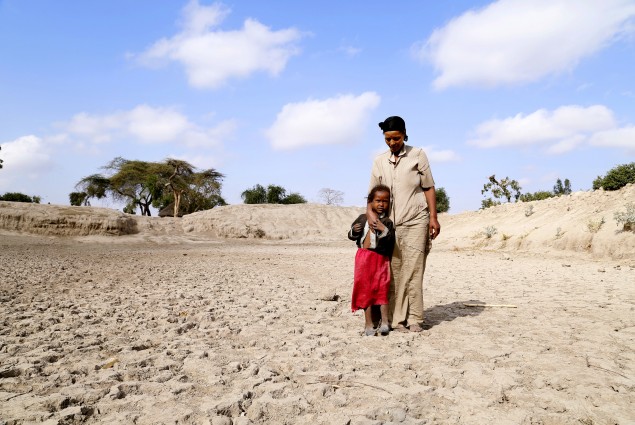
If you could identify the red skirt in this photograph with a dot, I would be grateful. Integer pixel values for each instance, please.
(371, 281)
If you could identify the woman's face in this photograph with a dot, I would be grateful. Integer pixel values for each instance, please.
(394, 140)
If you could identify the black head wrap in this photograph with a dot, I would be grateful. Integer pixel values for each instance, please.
(394, 123)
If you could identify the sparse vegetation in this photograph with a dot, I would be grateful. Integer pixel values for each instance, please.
(529, 210)
(594, 226)
(559, 233)
(626, 218)
(256, 232)
(490, 231)
(506, 237)
(616, 178)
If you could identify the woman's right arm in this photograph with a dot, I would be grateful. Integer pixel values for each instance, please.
(374, 181)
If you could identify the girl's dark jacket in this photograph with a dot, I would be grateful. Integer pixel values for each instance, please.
(384, 245)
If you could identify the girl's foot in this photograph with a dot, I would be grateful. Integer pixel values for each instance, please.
(369, 332)
(384, 330)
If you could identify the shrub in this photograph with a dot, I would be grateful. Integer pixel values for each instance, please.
(490, 231)
(616, 178)
(595, 226)
(443, 200)
(536, 196)
(19, 197)
(627, 218)
(529, 210)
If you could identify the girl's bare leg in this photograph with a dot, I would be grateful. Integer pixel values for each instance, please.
(368, 321)
(384, 329)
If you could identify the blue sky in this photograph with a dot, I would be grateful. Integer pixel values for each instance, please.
(290, 93)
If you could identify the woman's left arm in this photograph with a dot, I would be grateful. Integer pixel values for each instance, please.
(431, 199)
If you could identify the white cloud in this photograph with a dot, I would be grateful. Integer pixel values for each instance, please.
(616, 138)
(339, 120)
(519, 41)
(445, 155)
(212, 56)
(147, 125)
(350, 50)
(25, 158)
(563, 129)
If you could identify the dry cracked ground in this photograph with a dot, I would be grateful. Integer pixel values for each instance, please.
(243, 331)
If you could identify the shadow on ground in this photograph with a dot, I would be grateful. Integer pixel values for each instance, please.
(448, 312)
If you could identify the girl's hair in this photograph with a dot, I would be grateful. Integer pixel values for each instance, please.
(378, 188)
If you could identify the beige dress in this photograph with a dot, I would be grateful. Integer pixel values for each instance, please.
(406, 174)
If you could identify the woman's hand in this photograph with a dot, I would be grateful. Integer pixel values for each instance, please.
(435, 227)
(371, 216)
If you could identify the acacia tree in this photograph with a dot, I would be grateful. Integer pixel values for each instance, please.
(331, 196)
(505, 188)
(136, 182)
(178, 180)
(1, 161)
(190, 190)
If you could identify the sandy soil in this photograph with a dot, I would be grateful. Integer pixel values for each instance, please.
(171, 326)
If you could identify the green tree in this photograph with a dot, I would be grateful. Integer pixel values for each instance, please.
(536, 196)
(255, 195)
(275, 194)
(142, 184)
(293, 198)
(78, 199)
(189, 189)
(503, 189)
(271, 195)
(133, 182)
(1, 161)
(20, 197)
(616, 178)
(443, 200)
(560, 189)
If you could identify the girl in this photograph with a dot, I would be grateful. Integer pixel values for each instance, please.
(375, 240)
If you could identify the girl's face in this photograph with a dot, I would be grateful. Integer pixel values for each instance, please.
(394, 140)
(380, 202)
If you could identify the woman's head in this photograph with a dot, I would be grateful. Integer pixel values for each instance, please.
(394, 129)
(379, 198)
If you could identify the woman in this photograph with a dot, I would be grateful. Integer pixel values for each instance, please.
(413, 210)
